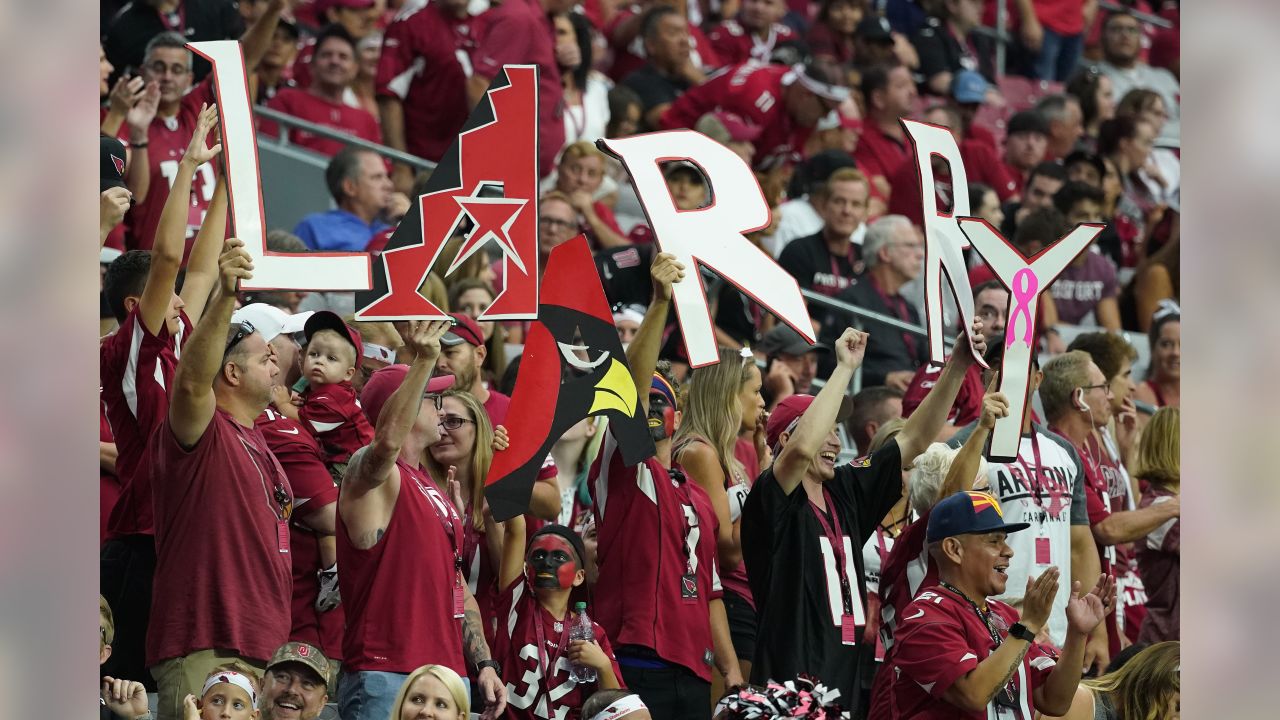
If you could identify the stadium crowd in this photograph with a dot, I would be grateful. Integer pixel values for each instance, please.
(293, 519)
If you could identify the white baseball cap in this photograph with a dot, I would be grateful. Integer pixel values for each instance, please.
(270, 320)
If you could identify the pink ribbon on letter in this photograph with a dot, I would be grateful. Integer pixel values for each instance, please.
(1024, 287)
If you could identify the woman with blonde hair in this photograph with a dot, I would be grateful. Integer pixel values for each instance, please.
(1148, 687)
(1159, 558)
(722, 401)
(472, 296)
(432, 691)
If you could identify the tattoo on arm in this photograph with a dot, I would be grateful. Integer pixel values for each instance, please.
(473, 644)
(1013, 667)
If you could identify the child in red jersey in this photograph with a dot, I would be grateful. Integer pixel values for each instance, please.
(328, 407)
(534, 623)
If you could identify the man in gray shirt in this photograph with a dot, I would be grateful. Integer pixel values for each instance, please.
(1121, 45)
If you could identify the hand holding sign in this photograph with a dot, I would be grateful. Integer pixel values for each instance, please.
(666, 272)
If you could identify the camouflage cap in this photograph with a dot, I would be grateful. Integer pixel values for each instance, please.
(302, 653)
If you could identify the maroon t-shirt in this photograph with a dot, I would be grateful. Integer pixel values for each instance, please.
(518, 32)
(313, 488)
(333, 415)
(753, 92)
(531, 694)
(223, 569)
(736, 44)
(1159, 561)
(878, 154)
(167, 141)
(941, 639)
(968, 403)
(496, 407)
(108, 483)
(399, 593)
(653, 529)
(1079, 289)
(425, 62)
(135, 368)
(353, 121)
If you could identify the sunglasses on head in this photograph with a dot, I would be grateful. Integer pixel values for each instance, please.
(243, 331)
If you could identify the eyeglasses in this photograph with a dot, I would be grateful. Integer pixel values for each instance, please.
(553, 223)
(453, 422)
(1087, 388)
(245, 330)
(1124, 30)
(437, 400)
(160, 68)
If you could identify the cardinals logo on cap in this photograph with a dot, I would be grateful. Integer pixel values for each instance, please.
(119, 163)
(573, 367)
(981, 501)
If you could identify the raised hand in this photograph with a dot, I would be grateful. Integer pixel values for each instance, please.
(423, 338)
(978, 342)
(851, 347)
(666, 272)
(1127, 426)
(501, 439)
(234, 265)
(1037, 603)
(124, 698)
(455, 491)
(143, 111)
(994, 407)
(1086, 612)
(197, 153)
(112, 206)
(125, 93)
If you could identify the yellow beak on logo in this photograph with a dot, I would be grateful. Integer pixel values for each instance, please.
(615, 391)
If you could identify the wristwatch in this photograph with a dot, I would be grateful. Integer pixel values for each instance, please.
(490, 663)
(1022, 632)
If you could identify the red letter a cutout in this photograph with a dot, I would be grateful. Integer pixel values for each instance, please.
(488, 178)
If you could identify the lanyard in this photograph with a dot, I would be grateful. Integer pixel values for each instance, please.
(282, 507)
(448, 519)
(1008, 688)
(835, 536)
(549, 663)
(1038, 476)
(898, 307)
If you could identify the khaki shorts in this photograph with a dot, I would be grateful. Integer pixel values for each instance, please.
(178, 677)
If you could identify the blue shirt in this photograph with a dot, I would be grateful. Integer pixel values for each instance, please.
(337, 230)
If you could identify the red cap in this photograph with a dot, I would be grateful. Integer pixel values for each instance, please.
(740, 130)
(326, 320)
(465, 330)
(382, 383)
(789, 411)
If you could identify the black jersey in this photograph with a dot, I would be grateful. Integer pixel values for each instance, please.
(794, 570)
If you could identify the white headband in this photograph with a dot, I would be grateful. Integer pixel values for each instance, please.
(835, 93)
(620, 707)
(379, 352)
(232, 678)
(628, 312)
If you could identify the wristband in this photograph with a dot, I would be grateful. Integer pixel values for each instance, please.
(139, 146)
(490, 663)
(1021, 632)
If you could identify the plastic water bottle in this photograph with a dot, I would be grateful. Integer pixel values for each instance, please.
(581, 630)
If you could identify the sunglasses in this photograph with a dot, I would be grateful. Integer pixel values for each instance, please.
(453, 422)
(245, 330)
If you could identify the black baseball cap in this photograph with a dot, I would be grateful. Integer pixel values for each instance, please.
(113, 158)
(966, 513)
(1084, 156)
(782, 339)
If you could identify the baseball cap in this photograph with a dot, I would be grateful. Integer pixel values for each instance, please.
(782, 339)
(303, 654)
(736, 128)
(327, 320)
(1028, 121)
(465, 331)
(875, 28)
(382, 383)
(788, 412)
(969, 87)
(1084, 156)
(672, 168)
(966, 513)
(113, 157)
(270, 320)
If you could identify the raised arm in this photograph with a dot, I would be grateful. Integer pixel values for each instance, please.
(642, 353)
(171, 232)
(925, 423)
(803, 445)
(257, 38)
(964, 469)
(378, 459)
(513, 549)
(191, 400)
(138, 175)
(202, 266)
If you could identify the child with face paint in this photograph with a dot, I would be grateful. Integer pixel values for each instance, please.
(534, 622)
(230, 691)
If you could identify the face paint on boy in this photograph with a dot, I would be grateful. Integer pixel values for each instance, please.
(551, 563)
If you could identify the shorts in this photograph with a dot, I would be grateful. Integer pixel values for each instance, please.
(742, 624)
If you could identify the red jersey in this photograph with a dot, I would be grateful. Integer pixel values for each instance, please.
(223, 576)
(736, 44)
(425, 62)
(755, 93)
(878, 154)
(300, 458)
(135, 368)
(344, 118)
(333, 415)
(399, 593)
(167, 141)
(496, 407)
(519, 32)
(906, 569)
(526, 654)
(968, 403)
(657, 558)
(942, 639)
(108, 483)
(632, 57)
